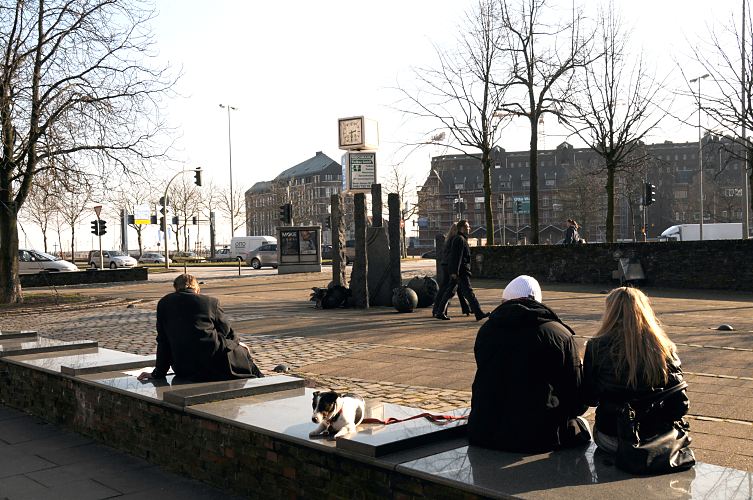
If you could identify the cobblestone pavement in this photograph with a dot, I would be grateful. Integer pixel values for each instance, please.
(414, 360)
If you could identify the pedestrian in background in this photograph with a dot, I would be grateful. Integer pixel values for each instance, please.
(571, 233)
(459, 269)
(440, 306)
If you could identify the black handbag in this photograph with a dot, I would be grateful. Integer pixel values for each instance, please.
(660, 453)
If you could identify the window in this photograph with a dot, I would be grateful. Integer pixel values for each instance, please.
(526, 184)
(549, 182)
(679, 195)
(460, 186)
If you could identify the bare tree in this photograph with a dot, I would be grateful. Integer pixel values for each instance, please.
(238, 205)
(137, 193)
(729, 105)
(460, 95)
(41, 206)
(615, 107)
(185, 198)
(399, 182)
(75, 95)
(72, 206)
(583, 199)
(542, 52)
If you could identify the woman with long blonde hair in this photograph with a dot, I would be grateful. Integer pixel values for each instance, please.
(630, 357)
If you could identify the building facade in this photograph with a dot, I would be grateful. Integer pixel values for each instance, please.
(572, 185)
(308, 186)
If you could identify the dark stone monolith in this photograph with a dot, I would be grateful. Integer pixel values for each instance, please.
(393, 228)
(376, 205)
(358, 277)
(338, 240)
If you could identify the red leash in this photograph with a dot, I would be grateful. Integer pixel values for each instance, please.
(430, 417)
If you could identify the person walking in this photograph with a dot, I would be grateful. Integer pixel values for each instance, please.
(526, 391)
(459, 270)
(439, 310)
(571, 233)
(630, 358)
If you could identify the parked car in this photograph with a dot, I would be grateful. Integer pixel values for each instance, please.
(431, 254)
(152, 258)
(113, 259)
(33, 261)
(222, 255)
(189, 257)
(265, 255)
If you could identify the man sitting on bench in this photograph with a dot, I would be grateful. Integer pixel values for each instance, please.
(194, 338)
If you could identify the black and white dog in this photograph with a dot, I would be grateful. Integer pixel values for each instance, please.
(336, 414)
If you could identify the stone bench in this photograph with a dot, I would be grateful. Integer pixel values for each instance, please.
(251, 437)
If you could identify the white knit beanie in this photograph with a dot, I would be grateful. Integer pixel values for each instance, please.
(523, 286)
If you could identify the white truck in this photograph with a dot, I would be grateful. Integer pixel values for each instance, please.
(241, 245)
(692, 232)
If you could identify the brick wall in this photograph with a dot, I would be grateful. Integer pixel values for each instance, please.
(724, 264)
(231, 458)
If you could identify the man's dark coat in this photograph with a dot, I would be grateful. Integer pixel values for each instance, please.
(194, 338)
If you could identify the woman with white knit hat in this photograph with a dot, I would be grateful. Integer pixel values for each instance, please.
(526, 392)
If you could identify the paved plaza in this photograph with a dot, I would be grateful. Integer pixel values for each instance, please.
(416, 360)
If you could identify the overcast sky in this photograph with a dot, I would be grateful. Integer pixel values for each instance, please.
(292, 68)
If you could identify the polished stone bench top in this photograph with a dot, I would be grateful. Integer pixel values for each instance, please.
(21, 346)
(584, 473)
(18, 334)
(230, 389)
(289, 414)
(85, 361)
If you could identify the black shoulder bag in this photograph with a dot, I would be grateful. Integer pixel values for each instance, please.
(665, 451)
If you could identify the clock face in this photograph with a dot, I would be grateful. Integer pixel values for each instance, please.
(351, 131)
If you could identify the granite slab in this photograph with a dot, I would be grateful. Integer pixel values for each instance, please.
(584, 473)
(152, 390)
(18, 334)
(85, 361)
(220, 391)
(288, 414)
(14, 347)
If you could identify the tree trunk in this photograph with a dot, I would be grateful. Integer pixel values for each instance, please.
(44, 239)
(10, 291)
(534, 179)
(610, 201)
(141, 245)
(486, 162)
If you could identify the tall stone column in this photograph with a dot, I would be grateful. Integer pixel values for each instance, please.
(358, 277)
(338, 240)
(376, 205)
(393, 228)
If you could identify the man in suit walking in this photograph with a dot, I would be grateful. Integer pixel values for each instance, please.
(194, 337)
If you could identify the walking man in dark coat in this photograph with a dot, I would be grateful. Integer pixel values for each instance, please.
(194, 337)
(459, 269)
(527, 389)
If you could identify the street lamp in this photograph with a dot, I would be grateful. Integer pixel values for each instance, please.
(230, 162)
(700, 151)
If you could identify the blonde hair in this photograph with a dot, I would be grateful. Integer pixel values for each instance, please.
(186, 281)
(453, 231)
(640, 348)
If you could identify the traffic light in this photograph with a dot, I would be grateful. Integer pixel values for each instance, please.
(194, 220)
(197, 175)
(328, 222)
(175, 221)
(650, 196)
(102, 227)
(95, 227)
(518, 206)
(459, 207)
(286, 213)
(152, 219)
(131, 219)
(162, 223)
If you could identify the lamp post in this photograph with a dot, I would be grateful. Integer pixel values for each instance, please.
(746, 201)
(700, 151)
(230, 163)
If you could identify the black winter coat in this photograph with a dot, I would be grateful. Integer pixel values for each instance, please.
(459, 260)
(194, 338)
(608, 392)
(528, 377)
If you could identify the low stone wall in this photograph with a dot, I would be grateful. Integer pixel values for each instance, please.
(84, 277)
(230, 457)
(721, 264)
